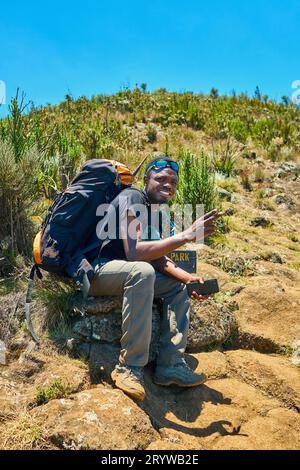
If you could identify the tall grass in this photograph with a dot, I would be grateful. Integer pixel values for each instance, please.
(18, 195)
(16, 126)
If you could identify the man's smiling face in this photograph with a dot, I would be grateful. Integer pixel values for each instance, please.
(161, 185)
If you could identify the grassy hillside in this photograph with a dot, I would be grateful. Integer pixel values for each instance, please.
(41, 149)
(236, 152)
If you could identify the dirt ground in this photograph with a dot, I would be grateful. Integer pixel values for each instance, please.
(252, 397)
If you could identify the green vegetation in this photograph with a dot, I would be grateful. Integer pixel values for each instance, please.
(17, 196)
(235, 266)
(230, 184)
(57, 389)
(296, 266)
(196, 182)
(224, 158)
(25, 432)
(41, 149)
(58, 295)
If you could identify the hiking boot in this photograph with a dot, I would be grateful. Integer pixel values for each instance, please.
(179, 374)
(130, 380)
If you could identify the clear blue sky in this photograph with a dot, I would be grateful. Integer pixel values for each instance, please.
(51, 48)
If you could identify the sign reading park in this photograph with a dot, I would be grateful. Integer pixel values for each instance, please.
(186, 260)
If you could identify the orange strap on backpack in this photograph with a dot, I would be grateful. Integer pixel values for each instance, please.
(37, 249)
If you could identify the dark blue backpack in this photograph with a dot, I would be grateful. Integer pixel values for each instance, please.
(63, 244)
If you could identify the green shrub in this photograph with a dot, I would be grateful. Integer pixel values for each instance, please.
(56, 139)
(264, 131)
(224, 158)
(57, 389)
(195, 118)
(229, 184)
(16, 126)
(18, 196)
(151, 134)
(196, 183)
(238, 130)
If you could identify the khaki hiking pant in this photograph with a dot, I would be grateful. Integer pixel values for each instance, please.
(140, 283)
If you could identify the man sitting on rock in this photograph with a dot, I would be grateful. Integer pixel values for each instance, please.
(141, 271)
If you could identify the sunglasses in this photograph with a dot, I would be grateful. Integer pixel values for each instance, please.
(161, 164)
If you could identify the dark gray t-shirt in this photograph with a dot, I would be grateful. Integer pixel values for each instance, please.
(130, 199)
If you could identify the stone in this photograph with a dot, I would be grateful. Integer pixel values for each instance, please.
(268, 316)
(282, 199)
(260, 222)
(105, 328)
(268, 192)
(224, 194)
(96, 419)
(230, 211)
(2, 353)
(286, 169)
(220, 177)
(96, 305)
(103, 324)
(210, 324)
(275, 376)
(276, 258)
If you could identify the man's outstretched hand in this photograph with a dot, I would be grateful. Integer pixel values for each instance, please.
(203, 226)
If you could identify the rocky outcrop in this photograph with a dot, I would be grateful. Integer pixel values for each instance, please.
(210, 323)
(102, 324)
(96, 419)
(288, 169)
(268, 314)
(10, 314)
(260, 222)
(277, 378)
(250, 401)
